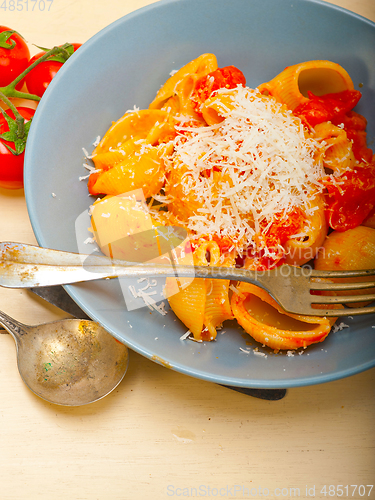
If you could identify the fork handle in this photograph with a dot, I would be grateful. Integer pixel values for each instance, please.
(26, 266)
(18, 275)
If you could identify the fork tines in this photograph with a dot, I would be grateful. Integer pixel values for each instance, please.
(319, 285)
(315, 273)
(342, 286)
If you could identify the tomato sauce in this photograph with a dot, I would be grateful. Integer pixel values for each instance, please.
(228, 77)
(350, 198)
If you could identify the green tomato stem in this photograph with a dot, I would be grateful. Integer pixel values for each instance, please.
(19, 118)
(10, 90)
(5, 91)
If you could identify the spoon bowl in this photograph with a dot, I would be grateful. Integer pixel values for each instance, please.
(68, 362)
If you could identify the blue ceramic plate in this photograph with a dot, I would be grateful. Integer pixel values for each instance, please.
(124, 65)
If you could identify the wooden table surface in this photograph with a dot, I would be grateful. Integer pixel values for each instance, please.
(161, 434)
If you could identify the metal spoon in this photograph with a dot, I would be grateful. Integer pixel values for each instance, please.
(68, 362)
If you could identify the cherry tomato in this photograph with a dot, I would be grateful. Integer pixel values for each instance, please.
(272, 238)
(282, 228)
(355, 128)
(359, 145)
(337, 108)
(328, 107)
(11, 165)
(38, 79)
(228, 77)
(14, 57)
(351, 198)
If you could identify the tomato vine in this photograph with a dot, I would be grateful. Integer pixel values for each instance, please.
(16, 69)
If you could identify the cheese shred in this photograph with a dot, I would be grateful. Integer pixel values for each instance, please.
(257, 163)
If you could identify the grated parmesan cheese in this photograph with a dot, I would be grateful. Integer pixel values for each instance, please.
(147, 296)
(339, 327)
(185, 335)
(233, 288)
(267, 162)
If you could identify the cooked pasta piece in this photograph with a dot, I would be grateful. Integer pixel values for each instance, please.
(215, 108)
(304, 246)
(349, 250)
(116, 223)
(141, 168)
(189, 304)
(209, 297)
(262, 317)
(338, 152)
(320, 77)
(180, 86)
(129, 155)
(133, 125)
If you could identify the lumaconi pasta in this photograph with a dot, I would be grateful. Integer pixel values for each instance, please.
(351, 249)
(257, 177)
(261, 316)
(204, 304)
(292, 85)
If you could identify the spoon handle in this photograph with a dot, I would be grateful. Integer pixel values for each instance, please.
(14, 327)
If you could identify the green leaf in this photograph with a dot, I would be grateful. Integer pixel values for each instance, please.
(11, 149)
(41, 48)
(7, 136)
(4, 37)
(13, 134)
(8, 119)
(20, 146)
(64, 55)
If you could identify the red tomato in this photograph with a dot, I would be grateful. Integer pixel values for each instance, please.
(337, 108)
(228, 77)
(351, 197)
(328, 107)
(355, 128)
(14, 57)
(38, 79)
(359, 145)
(11, 165)
(272, 239)
(355, 121)
(282, 228)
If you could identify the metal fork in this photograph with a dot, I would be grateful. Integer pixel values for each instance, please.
(26, 266)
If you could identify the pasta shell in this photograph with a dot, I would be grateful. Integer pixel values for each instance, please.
(320, 77)
(133, 125)
(214, 305)
(140, 170)
(214, 107)
(349, 250)
(338, 154)
(262, 317)
(189, 304)
(107, 160)
(300, 250)
(218, 307)
(185, 203)
(201, 66)
(116, 221)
